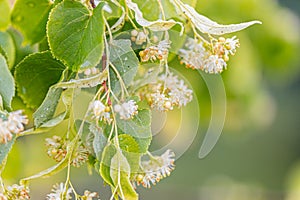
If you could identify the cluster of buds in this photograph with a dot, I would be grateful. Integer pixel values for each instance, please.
(100, 111)
(12, 124)
(91, 71)
(126, 110)
(139, 37)
(210, 58)
(57, 150)
(168, 92)
(152, 53)
(15, 191)
(155, 169)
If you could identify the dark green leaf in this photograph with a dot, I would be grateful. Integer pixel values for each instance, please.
(30, 17)
(75, 34)
(7, 85)
(35, 74)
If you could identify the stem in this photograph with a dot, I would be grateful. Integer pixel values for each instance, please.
(161, 10)
(122, 83)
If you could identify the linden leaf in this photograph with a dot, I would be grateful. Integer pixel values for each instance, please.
(75, 34)
(158, 25)
(120, 170)
(85, 82)
(108, 153)
(8, 45)
(34, 82)
(139, 128)
(125, 61)
(7, 84)
(131, 150)
(30, 17)
(5, 148)
(205, 25)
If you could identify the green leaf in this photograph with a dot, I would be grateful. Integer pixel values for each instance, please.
(108, 153)
(7, 85)
(139, 128)
(206, 25)
(99, 141)
(7, 44)
(30, 17)
(75, 34)
(131, 150)
(120, 170)
(85, 82)
(157, 25)
(5, 148)
(21, 51)
(35, 74)
(47, 110)
(125, 61)
(5, 14)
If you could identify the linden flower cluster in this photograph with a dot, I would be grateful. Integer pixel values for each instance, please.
(155, 169)
(210, 58)
(15, 192)
(57, 149)
(126, 110)
(13, 125)
(100, 111)
(170, 91)
(59, 192)
(152, 53)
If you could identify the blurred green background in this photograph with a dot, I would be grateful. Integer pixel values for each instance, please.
(258, 154)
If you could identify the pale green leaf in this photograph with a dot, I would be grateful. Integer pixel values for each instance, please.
(108, 153)
(120, 170)
(139, 128)
(35, 74)
(75, 34)
(30, 17)
(125, 61)
(5, 148)
(85, 82)
(99, 140)
(158, 25)
(206, 25)
(7, 84)
(5, 14)
(7, 44)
